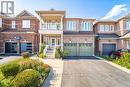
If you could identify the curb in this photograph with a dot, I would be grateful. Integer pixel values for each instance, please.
(115, 65)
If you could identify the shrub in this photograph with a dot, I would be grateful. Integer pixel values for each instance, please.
(29, 64)
(25, 55)
(41, 55)
(65, 53)
(42, 47)
(27, 78)
(57, 53)
(125, 55)
(10, 69)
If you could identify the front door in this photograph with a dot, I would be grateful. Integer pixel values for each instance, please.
(53, 41)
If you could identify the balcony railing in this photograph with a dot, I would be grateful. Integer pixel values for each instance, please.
(51, 26)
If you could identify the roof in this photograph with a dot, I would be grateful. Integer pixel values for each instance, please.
(78, 33)
(127, 35)
(17, 30)
(50, 12)
(105, 36)
(124, 16)
(24, 13)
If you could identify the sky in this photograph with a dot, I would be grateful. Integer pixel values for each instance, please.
(97, 9)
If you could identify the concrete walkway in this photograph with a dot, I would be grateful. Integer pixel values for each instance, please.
(55, 75)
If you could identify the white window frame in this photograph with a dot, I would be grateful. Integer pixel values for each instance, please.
(71, 25)
(0, 22)
(101, 28)
(13, 24)
(86, 26)
(106, 28)
(127, 24)
(25, 23)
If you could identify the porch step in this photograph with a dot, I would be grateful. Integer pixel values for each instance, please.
(50, 52)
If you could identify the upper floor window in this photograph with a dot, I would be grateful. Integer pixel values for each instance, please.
(71, 25)
(106, 28)
(13, 25)
(0, 22)
(86, 26)
(128, 24)
(26, 24)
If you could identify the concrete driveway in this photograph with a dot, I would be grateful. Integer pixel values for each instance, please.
(7, 58)
(93, 73)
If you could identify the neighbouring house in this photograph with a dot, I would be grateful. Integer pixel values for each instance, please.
(19, 34)
(81, 37)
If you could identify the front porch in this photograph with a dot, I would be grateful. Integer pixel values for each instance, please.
(51, 41)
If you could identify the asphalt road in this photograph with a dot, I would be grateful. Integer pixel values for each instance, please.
(93, 73)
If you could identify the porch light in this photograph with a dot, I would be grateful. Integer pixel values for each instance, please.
(70, 41)
(85, 40)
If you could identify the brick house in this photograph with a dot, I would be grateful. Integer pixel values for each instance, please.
(81, 37)
(19, 34)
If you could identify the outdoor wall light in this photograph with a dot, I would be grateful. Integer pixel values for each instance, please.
(70, 41)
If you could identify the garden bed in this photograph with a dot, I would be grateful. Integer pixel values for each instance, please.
(123, 61)
(23, 73)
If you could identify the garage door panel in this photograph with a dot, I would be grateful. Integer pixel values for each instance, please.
(85, 49)
(10, 47)
(71, 48)
(107, 48)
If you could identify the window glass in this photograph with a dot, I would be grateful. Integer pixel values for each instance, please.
(101, 27)
(26, 24)
(86, 26)
(71, 25)
(106, 28)
(13, 24)
(128, 24)
(0, 22)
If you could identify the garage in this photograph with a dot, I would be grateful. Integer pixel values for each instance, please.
(85, 49)
(26, 47)
(10, 47)
(79, 49)
(71, 48)
(107, 48)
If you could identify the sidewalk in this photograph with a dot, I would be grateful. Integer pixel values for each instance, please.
(55, 75)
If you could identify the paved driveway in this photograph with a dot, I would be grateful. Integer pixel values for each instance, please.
(5, 59)
(93, 73)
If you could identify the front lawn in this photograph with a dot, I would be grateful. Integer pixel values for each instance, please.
(124, 60)
(23, 73)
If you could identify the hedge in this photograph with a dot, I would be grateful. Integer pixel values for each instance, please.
(27, 78)
(10, 69)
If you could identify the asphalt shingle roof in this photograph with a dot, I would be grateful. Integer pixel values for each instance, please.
(107, 36)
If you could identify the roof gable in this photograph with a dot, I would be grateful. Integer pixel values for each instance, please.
(24, 13)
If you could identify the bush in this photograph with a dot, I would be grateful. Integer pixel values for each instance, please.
(36, 65)
(58, 53)
(42, 47)
(27, 78)
(25, 55)
(29, 64)
(65, 53)
(10, 69)
(125, 55)
(41, 55)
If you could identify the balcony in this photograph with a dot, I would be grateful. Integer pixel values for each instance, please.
(51, 28)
